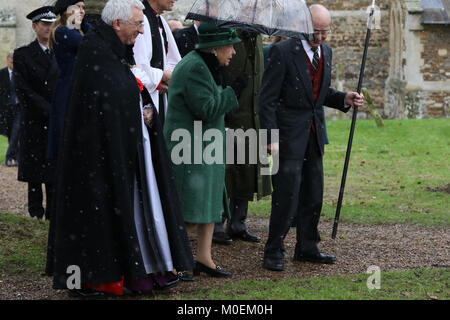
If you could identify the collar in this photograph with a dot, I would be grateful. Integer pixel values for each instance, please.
(9, 70)
(195, 27)
(42, 46)
(308, 47)
(107, 33)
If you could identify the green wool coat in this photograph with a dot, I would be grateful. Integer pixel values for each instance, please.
(194, 96)
(245, 180)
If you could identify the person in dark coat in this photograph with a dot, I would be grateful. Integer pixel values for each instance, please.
(5, 100)
(35, 73)
(104, 220)
(186, 38)
(64, 41)
(10, 113)
(244, 181)
(296, 84)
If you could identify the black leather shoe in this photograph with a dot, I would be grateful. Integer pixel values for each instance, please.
(273, 264)
(173, 282)
(221, 238)
(86, 294)
(218, 272)
(185, 276)
(315, 258)
(245, 236)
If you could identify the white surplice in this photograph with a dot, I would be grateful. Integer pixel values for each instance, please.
(162, 238)
(143, 55)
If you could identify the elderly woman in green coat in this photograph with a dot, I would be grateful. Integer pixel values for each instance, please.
(195, 134)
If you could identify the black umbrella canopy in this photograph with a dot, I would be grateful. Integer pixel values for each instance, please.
(289, 18)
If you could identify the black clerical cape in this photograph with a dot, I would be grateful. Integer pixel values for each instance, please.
(93, 226)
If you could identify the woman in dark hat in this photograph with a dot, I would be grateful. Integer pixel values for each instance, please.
(64, 40)
(196, 97)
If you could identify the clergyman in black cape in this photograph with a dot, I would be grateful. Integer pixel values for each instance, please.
(93, 227)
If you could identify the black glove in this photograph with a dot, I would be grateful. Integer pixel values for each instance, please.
(240, 83)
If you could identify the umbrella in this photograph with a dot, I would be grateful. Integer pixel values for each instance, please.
(289, 18)
(352, 127)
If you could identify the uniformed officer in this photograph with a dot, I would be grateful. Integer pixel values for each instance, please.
(35, 74)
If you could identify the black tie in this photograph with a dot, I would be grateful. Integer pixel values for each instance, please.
(161, 26)
(13, 92)
(316, 58)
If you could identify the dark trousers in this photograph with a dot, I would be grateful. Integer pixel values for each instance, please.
(13, 139)
(35, 198)
(238, 212)
(297, 197)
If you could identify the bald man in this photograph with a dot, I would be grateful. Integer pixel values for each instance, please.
(295, 86)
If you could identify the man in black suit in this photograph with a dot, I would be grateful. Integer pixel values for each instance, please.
(295, 86)
(10, 111)
(186, 38)
(35, 73)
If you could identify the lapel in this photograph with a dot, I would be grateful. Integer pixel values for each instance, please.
(6, 81)
(113, 42)
(302, 68)
(326, 55)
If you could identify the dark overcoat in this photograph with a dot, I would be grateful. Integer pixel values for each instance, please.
(65, 46)
(186, 39)
(245, 180)
(35, 76)
(93, 226)
(6, 112)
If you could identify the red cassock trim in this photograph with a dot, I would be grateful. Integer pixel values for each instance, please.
(109, 287)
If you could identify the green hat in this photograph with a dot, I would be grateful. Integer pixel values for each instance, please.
(212, 36)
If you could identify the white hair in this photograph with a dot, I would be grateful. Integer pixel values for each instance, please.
(120, 9)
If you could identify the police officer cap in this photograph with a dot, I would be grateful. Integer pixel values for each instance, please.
(62, 5)
(44, 14)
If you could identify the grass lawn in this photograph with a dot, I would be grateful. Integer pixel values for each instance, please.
(23, 245)
(419, 284)
(397, 174)
(3, 147)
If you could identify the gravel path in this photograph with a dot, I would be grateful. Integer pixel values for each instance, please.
(390, 247)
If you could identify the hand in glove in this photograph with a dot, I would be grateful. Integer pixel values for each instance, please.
(240, 83)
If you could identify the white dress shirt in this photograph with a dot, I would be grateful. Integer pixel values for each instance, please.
(309, 50)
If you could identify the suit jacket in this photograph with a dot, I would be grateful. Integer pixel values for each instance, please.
(186, 39)
(287, 102)
(5, 99)
(35, 76)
